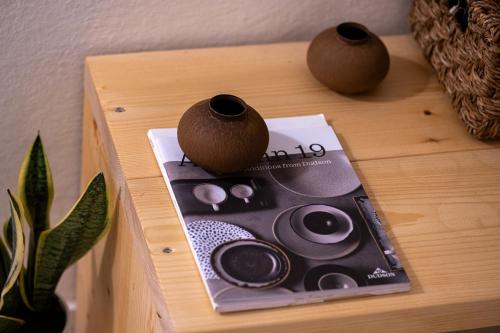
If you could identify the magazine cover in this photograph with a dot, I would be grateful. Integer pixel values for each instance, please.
(296, 228)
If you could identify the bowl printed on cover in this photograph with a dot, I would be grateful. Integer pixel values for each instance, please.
(336, 281)
(210, 194)
(288, 238)
(232, 293)
(251, 263)
(324, 180)
(242, 191)
(207, 235)
(331, 277)
(321, 224)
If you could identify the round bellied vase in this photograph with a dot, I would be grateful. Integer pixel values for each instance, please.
(348, 58)
(223, 134)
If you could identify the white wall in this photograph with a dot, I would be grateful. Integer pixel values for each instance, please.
(43, 45)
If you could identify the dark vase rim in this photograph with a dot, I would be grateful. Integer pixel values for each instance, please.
(227, 106)
(352, 33)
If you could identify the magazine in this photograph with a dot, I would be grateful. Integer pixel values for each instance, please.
(295, 228)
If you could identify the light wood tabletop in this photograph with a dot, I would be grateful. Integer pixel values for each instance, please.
(436, 188)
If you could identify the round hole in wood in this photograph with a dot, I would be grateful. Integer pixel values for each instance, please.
(167, 250)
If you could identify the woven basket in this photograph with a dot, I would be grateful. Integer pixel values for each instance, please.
(461, 40)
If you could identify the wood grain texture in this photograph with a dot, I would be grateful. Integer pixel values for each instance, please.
(113, 290)
(443, 219)
(156, 88)
(437, 189)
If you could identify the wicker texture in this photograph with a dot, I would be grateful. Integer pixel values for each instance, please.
(461, 41)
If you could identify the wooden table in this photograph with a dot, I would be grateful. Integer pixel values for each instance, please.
(436, 187)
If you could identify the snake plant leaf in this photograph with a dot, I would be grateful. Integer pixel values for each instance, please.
(7, 233)
(4, 262)
(36, 193)
(69, 240)
(5, 251)
(36, 189)
(22, 291)
(22, 283)
(8, 295)
(10, 324)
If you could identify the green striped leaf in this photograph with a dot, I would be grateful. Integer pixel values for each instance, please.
(5, 250)
(9, 293)
(36, 193)
(22, 292)
(68, 241)
(7, 233)
(36, 189)
(4, 262)
(10, 324)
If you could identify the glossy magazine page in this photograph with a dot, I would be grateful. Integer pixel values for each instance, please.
(296, 228)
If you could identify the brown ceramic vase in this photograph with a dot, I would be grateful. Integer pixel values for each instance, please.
(348, 58)
(223, 134)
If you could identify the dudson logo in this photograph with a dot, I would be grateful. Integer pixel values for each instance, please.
(379, 273)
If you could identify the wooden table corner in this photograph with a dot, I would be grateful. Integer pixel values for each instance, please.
(436, 188)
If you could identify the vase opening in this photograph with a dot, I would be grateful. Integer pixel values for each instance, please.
(353, 33)
(227, 106)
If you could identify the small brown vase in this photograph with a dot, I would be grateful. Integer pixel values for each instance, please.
(348, 58)
(223, 134)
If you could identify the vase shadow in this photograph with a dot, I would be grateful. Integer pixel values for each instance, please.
(406, 78)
